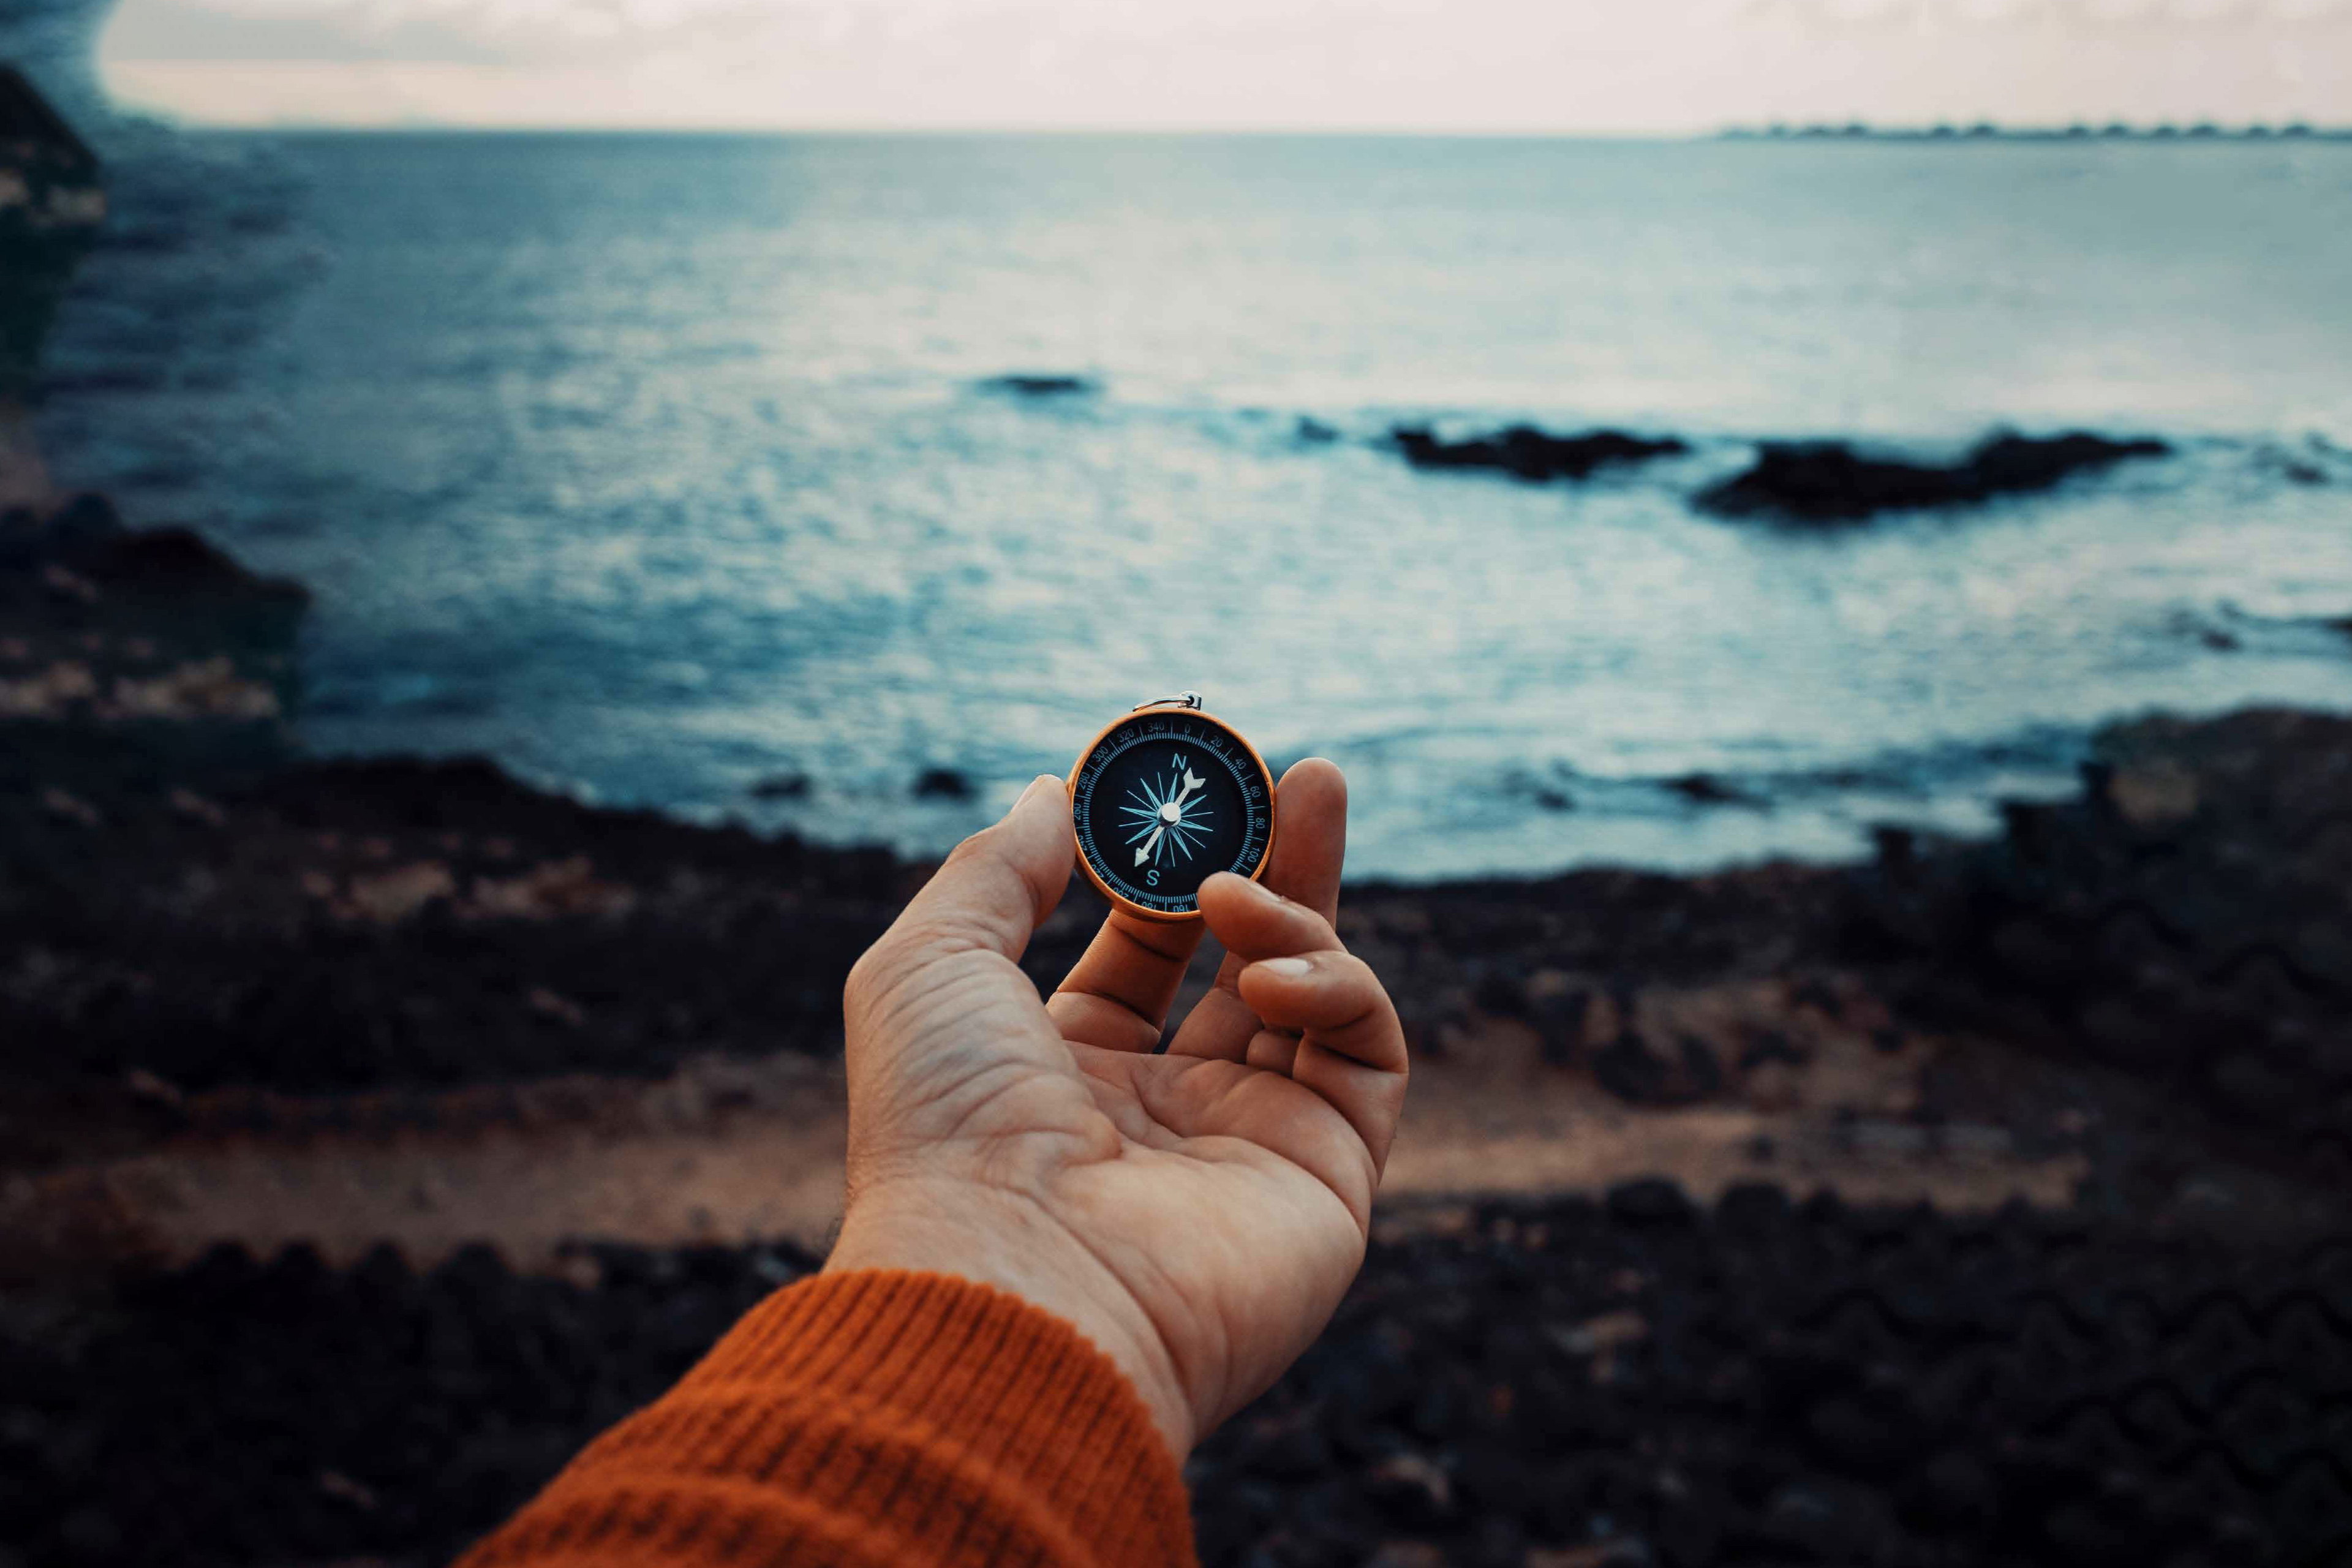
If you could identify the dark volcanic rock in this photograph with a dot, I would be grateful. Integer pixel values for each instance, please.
(1757, 1382)
(178, 562)
(390, 923)
(171, 572)
(1829, 481)
(1526, 453)
(2188, 921)
(1034, 386)
(129, 657)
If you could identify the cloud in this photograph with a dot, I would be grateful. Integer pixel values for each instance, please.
(1594, 65)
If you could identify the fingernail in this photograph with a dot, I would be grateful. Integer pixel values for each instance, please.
(1291, 968)
(1040, 781)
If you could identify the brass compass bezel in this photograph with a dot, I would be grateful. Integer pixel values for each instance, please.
(1189, 702)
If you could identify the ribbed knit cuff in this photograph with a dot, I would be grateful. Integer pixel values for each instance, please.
(881, 1418)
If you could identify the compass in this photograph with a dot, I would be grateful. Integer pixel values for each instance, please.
(1165, 798)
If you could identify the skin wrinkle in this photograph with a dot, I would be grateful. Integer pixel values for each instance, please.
(1374, 1163)
(1170, 959)
(1118, 1101)
(1242, 1086)
(927, 964)
(1124, 1016)
(1185, 1378)
(1018, 1074)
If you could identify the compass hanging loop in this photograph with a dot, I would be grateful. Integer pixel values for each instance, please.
(1180, 699)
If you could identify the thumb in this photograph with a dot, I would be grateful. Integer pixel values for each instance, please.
(1002, 881)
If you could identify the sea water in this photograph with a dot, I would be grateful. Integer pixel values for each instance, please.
(663, 468)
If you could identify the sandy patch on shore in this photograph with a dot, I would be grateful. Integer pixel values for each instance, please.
(734, 1152)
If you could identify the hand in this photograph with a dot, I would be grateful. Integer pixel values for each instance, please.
(1196, 1215)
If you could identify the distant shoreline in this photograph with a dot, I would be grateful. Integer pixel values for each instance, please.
(1984, 130)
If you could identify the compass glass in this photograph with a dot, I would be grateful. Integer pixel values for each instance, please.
(1164, 801)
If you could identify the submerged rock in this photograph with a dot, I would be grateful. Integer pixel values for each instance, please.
(781, 787)
(1705, 789)
(1020, 385)
(1829, 481)
(1526, 453)
(942, 783)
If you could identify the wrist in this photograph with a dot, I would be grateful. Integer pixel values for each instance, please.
(1012, 1243)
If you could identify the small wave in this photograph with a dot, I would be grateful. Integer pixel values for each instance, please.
(2316, 460)
(1914, 774)
(2231, 628)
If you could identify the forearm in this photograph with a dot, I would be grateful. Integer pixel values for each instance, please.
(874, 1418)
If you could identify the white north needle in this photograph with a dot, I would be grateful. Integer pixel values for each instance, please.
(1172, 811)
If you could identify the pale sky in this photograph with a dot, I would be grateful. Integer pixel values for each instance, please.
(1593, 65)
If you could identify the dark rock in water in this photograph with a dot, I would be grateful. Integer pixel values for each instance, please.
(781, 787)
(178, 561)
(1705, 789)
(942, 783)
(1829, 481)
(86, 537)
(1314, 433)
(1526, 453)
(1028, 386)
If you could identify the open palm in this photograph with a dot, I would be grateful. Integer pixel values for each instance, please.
(1197, 1214)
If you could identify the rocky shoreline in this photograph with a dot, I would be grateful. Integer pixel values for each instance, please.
(2018, 1164)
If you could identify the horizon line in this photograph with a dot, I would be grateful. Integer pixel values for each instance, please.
(1939, 131)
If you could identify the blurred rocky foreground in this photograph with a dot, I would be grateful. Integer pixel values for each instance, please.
(375, 1133)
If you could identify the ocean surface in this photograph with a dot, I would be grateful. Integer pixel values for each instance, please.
(661, 469)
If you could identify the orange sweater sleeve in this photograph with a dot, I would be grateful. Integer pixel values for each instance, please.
(875, 1419)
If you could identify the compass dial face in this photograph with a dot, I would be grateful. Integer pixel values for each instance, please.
(1166, 800)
